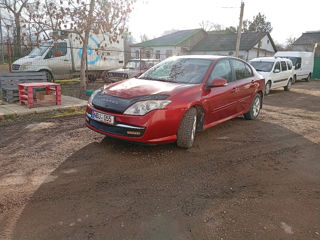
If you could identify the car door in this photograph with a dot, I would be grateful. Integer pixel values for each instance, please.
(285, 74)
(59, 59)
(220, 102)
(276, 75)
(245, 84)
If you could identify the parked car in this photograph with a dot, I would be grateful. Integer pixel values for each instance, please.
(302, 62)
(277, 72)
(60, 57)
(176, 98)
(132, 69)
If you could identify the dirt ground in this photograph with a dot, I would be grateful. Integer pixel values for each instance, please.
(242, 179)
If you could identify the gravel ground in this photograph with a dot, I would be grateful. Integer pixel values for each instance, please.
(242, 179)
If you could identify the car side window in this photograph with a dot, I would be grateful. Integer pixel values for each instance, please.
(277, 66)
(241, 69)
(283, 66)
(222, 69)
(58, 50)
(289, 65)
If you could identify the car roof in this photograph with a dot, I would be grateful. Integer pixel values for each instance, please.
(269, 59)
(210, 57)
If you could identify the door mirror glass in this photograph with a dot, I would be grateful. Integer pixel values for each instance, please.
(218, 82)
(276, 71)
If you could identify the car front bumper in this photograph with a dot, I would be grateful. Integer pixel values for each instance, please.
(156, 127)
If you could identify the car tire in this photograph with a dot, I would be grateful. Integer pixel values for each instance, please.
(294, 79)
(289, 84)
(254, 108)
(268, 87)
(308, 79)
(48, 75)
(187, 129)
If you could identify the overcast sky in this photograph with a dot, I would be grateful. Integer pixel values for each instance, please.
(288, 18)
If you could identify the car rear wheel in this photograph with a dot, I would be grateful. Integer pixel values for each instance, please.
(288, 87)
(268, 87)
(187, 129)
(254, 109)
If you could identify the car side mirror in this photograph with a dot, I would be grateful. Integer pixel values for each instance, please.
(276, 70)
(218, 82)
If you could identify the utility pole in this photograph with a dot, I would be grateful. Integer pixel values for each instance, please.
(239, 29)
(1, 39)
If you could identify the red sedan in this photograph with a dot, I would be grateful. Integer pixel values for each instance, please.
(175, 99)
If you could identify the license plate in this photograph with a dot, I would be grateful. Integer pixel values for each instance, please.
(102, 117)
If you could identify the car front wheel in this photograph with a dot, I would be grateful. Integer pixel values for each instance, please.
(268, 87)
(187, 129)
(254, 109)
(288, 87)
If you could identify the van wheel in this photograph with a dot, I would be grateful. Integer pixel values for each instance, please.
(187, 129)
(308, 79)
(48, 75)
(288, 87)
(268, 87)
(254, 109)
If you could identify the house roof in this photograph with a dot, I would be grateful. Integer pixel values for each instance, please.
(173, 39)
(226, 41)
(308, 38)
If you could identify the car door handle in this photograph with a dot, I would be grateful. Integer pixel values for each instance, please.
(66, 60)
(233, 90)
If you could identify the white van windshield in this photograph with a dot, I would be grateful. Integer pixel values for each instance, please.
(262, 66)
(39, 51)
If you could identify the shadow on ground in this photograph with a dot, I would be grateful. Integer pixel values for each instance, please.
(239, 181)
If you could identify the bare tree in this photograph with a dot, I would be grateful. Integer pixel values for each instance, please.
(289, 43)
(143, 38)
(210, 26)
(15, 8)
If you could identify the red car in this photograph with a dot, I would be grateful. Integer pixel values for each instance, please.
(176, 98)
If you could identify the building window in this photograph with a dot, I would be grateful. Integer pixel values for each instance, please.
(137, 54)
(168, 53)
(158, 54)
(147, 53)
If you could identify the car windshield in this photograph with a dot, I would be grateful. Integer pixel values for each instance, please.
(133, 65)
(179, 70)
(39, 51)
(262, 66)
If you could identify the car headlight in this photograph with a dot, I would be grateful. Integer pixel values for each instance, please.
(93, 95)
(143, 107)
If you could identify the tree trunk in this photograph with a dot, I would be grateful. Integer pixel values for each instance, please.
(83, 80)
(18, 35)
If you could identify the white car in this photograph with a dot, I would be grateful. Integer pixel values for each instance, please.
(302, 62)
(277, 72)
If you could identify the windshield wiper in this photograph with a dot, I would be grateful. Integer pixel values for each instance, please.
(155, 79)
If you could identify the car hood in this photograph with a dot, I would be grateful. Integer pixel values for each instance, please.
(264, 74)
(139, 87)
(117, 97)
(26, 59)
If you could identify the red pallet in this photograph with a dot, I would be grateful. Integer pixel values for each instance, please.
(26, 92)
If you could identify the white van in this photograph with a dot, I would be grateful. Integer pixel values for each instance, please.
(277, 72)
(302, 62)
(61, 58)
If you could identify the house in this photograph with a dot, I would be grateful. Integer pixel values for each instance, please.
(177, 43)
(224, 43)
(307, 41)
(199, 42)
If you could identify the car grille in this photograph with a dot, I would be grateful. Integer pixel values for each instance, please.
(15, 67)
(122, 131)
